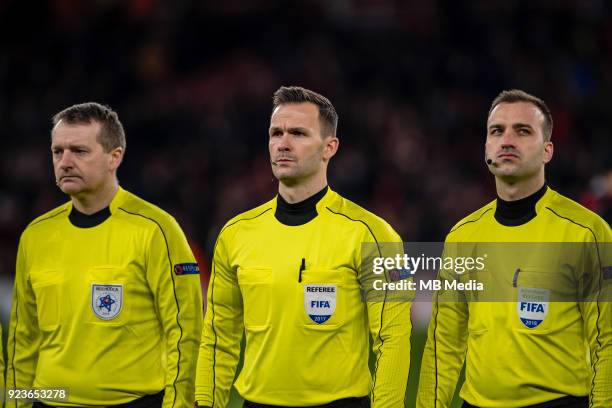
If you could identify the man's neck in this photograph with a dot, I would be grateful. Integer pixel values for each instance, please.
(512, 191)
(300, 192)
(92, 203)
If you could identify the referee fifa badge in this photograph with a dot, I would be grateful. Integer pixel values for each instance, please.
(532, 306)
(320, 301)
(106, 300)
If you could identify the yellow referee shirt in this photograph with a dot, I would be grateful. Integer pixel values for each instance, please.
(113, 312)
(522, 353)
(295, 292)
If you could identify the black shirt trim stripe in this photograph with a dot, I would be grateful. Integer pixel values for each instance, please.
(46, 218)
(212, 297)
(382, 309)
(597, 303)
(16, 300)
(435, 345)
(178, 310)
(470, 221)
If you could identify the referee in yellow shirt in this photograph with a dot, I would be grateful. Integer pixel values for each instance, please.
(107, 300)
(287, 275)
(523, 348)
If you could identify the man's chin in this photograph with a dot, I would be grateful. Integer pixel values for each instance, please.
(513, 175)
(506, 169)
(286, 179)
(70, 188)
(283, 174)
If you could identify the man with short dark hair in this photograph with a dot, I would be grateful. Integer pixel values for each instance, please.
(107, 299)
(288, 274)
(519, 96)
(542, 337)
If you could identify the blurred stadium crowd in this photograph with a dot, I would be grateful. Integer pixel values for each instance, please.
(411, 80)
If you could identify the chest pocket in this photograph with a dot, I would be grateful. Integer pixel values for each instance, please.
(108, 296)
(322, 304)
(561, 282)
(47, 285)
(256, 288)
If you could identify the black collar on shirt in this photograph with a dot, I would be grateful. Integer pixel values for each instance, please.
(519, 212)
(81, 220)
(298, 213)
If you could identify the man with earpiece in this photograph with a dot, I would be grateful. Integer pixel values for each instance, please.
(541, 334)
(288, 274)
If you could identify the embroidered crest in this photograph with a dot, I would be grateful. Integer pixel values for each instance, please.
(106, 300)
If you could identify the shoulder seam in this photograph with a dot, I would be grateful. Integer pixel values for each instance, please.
(357, 220)
(178, 310)
(244, 219)
(469, 221)
(572, 221)
(46, 218)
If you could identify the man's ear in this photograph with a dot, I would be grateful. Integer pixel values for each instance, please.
(116, 156)
(331, 147)
(548, 151)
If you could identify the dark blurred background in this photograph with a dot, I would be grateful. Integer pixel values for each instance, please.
(192, 82)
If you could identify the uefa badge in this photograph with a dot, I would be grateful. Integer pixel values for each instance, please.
(320, 301)
(532, 306)
(106, 300)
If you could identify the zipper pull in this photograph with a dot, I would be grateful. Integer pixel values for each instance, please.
(515, 278)
(302, 267)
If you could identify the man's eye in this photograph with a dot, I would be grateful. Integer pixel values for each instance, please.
(524, 131)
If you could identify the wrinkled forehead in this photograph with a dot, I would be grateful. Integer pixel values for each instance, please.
(64, 132)
(509, 113)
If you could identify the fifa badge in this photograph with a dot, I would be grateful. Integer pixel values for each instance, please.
(532, 306)
(320, 301)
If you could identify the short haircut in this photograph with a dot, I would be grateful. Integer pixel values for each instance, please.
(328, 118)
(111, 133)
(516, 95)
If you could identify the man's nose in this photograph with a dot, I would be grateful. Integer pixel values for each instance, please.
(284, 143)
(66, 160)
(508, 138)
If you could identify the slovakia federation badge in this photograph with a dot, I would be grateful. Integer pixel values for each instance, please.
(320, 301)
(532, 306)
(106, 300)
